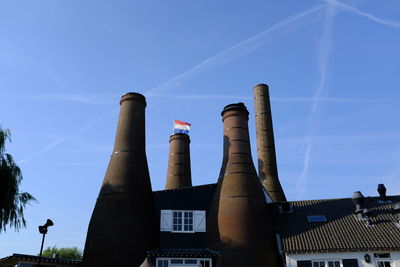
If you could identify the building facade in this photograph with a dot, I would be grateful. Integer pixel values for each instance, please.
(242, 220)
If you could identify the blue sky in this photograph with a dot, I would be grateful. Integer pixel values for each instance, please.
(332, 67)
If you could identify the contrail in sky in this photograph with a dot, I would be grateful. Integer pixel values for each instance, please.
(238, 50)
(386, 22)
(104, 99)
(228, 54)
(234, 51)
(279, 99)
(323, 57)
(65, 138)
(323, 64)
(101, 99)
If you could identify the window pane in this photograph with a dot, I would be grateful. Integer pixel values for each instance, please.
(162, 263)
(387, 263)
(315, 264)
(330, 263)
(191, 261)
(176, 261)
(321, 264)
(382, 255)
(337, 263)
(204, 263)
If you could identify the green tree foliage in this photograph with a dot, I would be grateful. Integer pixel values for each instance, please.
(72, 253)
(12, 202)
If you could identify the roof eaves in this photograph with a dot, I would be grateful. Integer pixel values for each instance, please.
(185, 188)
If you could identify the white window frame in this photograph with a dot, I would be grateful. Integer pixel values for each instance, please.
(383, 259)
(377, 260)
(326, 262)
(183, 264)
(182, 224)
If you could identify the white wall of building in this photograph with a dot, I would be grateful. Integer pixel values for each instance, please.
(291, 259)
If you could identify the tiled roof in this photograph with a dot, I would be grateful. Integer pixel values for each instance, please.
(187, 188)
(174, 252)
(16, 258)
(343, 231)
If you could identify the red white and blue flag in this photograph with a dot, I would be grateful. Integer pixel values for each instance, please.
(181, 127)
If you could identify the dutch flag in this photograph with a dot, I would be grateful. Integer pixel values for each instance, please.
(181, 127)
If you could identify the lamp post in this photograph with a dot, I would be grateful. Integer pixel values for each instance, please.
(43, 230)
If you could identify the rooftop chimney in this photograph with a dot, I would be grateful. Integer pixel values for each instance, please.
(382, 192)
(122, 227)
(179, 174)
(239, 224)
(267, 167)
(358, 200)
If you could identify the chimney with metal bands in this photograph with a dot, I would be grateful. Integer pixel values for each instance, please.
(239, 224)
(123, 225)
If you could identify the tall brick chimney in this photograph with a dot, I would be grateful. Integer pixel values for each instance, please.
(179, 173)
(267, 167)
(123, 226)
(239, 224)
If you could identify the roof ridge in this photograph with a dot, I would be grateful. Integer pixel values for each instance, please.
(185, 188)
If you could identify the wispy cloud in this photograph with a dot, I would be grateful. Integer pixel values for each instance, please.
(235, 51)
(393, 177)
(66, 137)
(221, 58)
(323, 57)
(391, 23)
(108, 99)
(278, 99)
(77, 163)
(228, 55)
(342, 138)
(199, 96)
(77, 98)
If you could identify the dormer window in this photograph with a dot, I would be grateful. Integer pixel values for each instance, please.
(183, 221)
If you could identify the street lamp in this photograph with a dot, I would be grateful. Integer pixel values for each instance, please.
(43, 230)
